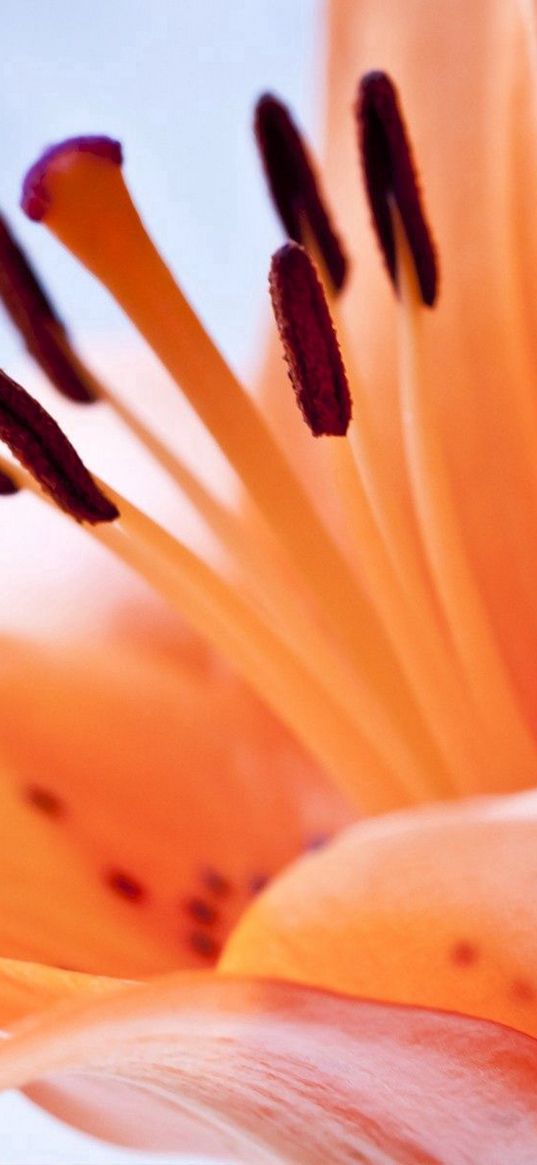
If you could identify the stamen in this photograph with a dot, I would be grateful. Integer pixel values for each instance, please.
(294, 185)
(34, 316)
(39, 444)
(310, 344)
(18, 277)
(390, 174)
(344, 741)
(315, 369)
(328, 728)
(421, 653)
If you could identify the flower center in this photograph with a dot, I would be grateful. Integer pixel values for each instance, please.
(336, 625)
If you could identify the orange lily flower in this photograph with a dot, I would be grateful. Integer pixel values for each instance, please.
(388, 625)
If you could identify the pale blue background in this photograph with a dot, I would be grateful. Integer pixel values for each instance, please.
(175, 80)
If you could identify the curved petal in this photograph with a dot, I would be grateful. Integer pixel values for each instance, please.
(265, 1072)
(434, 907)
(26, 988)
(131, 837)
(467, 77)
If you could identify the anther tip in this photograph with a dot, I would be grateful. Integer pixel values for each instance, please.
(265, 101)
(378, 81)
(267, 108)
(35, 198)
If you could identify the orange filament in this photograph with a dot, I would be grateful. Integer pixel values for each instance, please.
(216, 610)
(512, 748)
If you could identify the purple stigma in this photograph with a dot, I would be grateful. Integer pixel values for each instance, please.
(36, 320)
(309, 341)
(39, 444)
(294, 186)
(35, 199)
(390, 173)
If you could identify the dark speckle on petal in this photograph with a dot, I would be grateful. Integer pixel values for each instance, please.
(522, 991)
(316, 841)
(201, 910)
(257, 883)
(125, 885)
(464, 953)
(204, 945)
(215, 882)
(44, 800)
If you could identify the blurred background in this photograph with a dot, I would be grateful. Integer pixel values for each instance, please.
(176, 82)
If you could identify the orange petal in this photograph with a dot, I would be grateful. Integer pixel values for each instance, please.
(434, 907)
(466, 73)
(53, 906)
(26, 988)
(258, 1071)
(148, 803)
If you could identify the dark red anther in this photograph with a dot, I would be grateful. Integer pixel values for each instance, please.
(310, 345)
(294, 185)
(35, 199)
(390, 175)
(7, 485)
(34, 316)
(39, 444)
